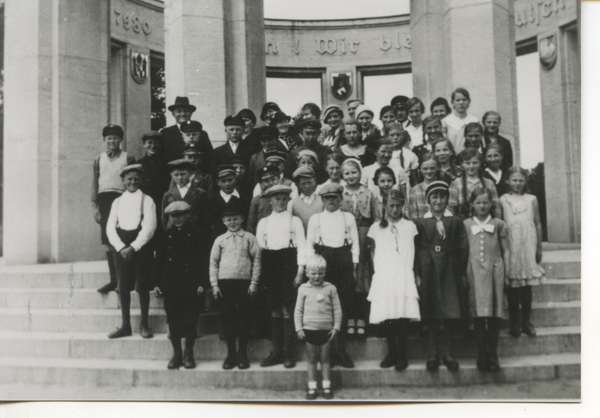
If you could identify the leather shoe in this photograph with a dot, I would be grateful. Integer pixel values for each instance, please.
(388, 361)
(345, 361)
(529, 330)
(242, 361)
(327, 393)
(188, 359)
(145, 332)
(450, 363)
(107, 288)
(230, 362)
(493, 365)
(121, 332)
(176, 362)
(311, 394)
(482, 364)
(289, 363)
(433, 363)
(515, 332)
(401, 364)
(272, 360)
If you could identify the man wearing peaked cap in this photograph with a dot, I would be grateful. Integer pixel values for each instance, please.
(309, 132)
(200, 179)
(249, 134)
(234, 126)
(399, 103)
(113, 130)
(182, 111)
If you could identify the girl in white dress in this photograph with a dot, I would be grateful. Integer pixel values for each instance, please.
(393, 294)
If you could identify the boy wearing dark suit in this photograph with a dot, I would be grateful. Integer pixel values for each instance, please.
(234, 126)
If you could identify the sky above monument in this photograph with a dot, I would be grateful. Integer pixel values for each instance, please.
(333, 9)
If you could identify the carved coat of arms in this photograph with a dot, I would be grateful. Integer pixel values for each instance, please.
(548, 51)
(341, 85)
(139, 67)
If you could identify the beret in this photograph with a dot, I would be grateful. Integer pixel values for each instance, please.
(192, 148)
(237, 159)
(364, 108)
(267, 106)
(130, 168)
(180, 164)
(248, 114)
(308, 152)
(233, 207)
(267, 171)
(182, 101)
(435, 186)
(267, 132)
(177, 206)
(113, 130)
(399, 100)
(278, 188)
(152, 135)
(191, 126)
(331, 188)
(280, 116)
(276, 156)
(315, 124)
(332, 108)
(304, 171)
(225, 170)
(234, 120)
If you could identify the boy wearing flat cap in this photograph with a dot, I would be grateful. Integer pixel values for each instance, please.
(225, 191)
(333, 235)
(260, 206)
(181, 171)
(267, 136)
(182, 279)
(277, 159)
(191, 132)
(199, 178)
(234, 126)
(308, 202)
(235, 267)
(281, 239)
(309, 132)
(130, 227)
(106, 187)
(182, 111)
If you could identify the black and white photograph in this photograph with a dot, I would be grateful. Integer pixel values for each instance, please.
(314, 202)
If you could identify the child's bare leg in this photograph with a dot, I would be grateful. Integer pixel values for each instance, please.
(325, 364)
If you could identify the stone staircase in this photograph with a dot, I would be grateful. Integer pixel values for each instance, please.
(54, 326)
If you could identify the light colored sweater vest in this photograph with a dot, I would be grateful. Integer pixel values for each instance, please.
(304, 211)
(110, 173)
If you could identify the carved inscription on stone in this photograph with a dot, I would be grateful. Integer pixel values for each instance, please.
(535, 11)
(132, 22)
(341, 46)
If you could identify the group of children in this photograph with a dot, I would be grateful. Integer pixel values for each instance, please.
(389, 227)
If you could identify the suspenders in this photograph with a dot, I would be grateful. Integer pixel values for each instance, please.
(141, 211)
(347, 240)
(292, 235)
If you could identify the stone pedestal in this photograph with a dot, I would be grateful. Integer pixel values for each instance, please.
(469, 44)
(55, 88)
(214, 54)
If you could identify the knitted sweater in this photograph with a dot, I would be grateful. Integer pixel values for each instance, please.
(235, 255)
(318, 308)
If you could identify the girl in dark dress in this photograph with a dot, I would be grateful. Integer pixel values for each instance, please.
(494, 158)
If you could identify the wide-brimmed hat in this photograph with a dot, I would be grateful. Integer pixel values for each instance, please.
(280, 116)
(332, 108)
(267, 106)
(182, 101)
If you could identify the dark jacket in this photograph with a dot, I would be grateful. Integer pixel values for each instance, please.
(173, 143)
(216, 204)
(156, 177)
(507, 160)
(200, 215)
(222, 154)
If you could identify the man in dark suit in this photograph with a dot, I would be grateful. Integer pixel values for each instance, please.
(249, 134)
(173, 140)
(234, 126)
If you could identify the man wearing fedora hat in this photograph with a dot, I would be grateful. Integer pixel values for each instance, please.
(173, 140)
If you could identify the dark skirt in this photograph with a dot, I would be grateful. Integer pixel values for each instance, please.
(105, 201)
(279, 268)
(340, 272)
(316, 337)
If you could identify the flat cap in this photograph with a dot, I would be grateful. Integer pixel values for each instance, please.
(315, 124)
(132, 167)
(276, 156)
(267, 171)
(113, 130)
(191, 126)
(234, 120)
(233, 207)
(331, 189)
(304, 171)
(192, 148)
(237, 159)
(153, 135)
(180, 164)
(224, 170)
(278, 188)
(248, 114)
(177, 207)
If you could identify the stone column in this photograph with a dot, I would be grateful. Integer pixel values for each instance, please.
(469, 44)
(214, 54)
(55, 107)
(561, 115)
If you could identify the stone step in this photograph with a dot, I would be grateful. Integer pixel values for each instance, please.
(209, 347)
(141, 373)
(544, 314)
(563, 290)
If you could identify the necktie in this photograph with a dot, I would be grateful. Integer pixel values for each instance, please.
(395, 232)
(440, 228)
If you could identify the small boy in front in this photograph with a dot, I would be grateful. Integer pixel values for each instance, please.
(318, 318)
(182, 279)
(235, 265)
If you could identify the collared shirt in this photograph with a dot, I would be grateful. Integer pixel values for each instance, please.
(446, 214)
(233, 146)
(226, 196)
(114, 154)
(235, 255)
(183, 190)
(416, 135)
(411, 161)
(128, 212)
(332, 229)
(308, 200)
(453, 128)
(278, 230)
(496, 176)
